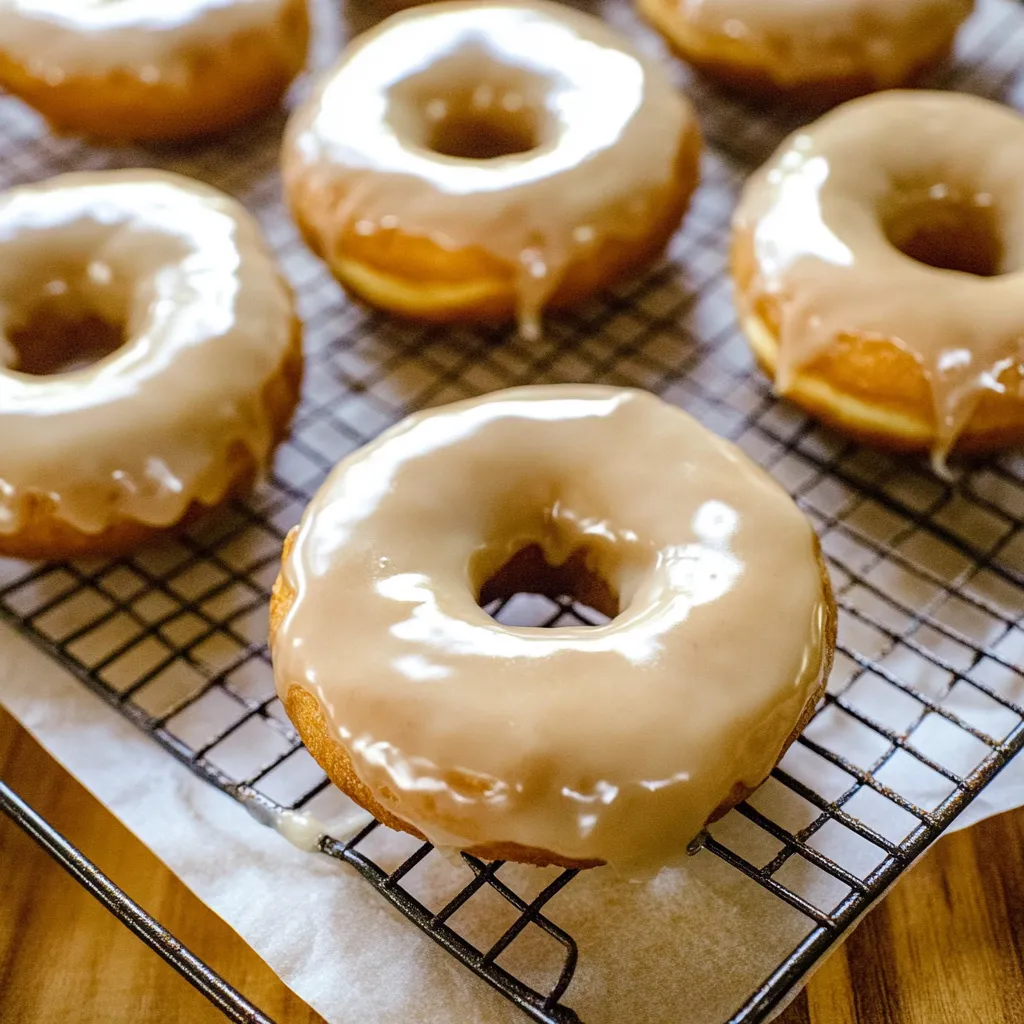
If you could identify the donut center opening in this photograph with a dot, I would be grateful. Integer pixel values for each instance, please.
(948, 231)
(53, 337)
(465, 128)
(529, 591)
(472, 106)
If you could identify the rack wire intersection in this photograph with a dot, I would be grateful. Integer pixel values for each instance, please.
(929, 577)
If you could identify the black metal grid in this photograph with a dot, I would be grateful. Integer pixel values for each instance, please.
(929, 577)
(231, 1002)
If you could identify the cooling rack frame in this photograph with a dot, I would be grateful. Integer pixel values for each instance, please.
(657, 334)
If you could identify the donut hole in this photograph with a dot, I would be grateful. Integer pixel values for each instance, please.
(947, 231)
(528, 572)
(471, 107)
(53, 338)
(471, 132)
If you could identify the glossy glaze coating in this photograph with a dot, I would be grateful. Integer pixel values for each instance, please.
(604, 124)
(147, 430)
(821, 213)
(153, 39)
(614, 743)
(804, 40)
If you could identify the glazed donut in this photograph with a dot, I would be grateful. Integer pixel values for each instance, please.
(151, 70)
(878, 262)
(150, 358)
(563, 746)
(817, 52)
(469, 161)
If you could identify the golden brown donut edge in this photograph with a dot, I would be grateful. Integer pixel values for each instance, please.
(45, 535)
(416, 278)
(308, 717)
(224, 88)
(741, 68)
(870, 388)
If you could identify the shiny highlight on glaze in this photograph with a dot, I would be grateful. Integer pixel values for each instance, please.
(613, 743)
(603, 142)
(151, 39)
(811, 40)
(147, 430)
(823, 214)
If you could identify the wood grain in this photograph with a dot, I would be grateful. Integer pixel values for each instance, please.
(947, 945)
(64, 959)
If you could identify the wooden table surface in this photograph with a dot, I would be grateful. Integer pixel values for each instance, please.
(947, 945)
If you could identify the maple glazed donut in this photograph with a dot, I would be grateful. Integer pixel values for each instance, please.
(571, 746)
(815, 51)
(151, 70)
(150, 358)
(878, 261)
(474, 161)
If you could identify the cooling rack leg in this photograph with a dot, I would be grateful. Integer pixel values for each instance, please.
(227, 999)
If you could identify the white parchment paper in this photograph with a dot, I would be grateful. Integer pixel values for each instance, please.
(690, 946)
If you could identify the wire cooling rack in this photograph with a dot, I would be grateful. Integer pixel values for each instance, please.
(927, 687)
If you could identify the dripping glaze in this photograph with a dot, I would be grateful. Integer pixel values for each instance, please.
(613, 743)
(603, 141)
(817, 217)
(207, 322)
(303, 830)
